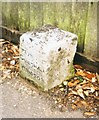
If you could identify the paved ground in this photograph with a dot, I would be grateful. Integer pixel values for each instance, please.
(23, 100)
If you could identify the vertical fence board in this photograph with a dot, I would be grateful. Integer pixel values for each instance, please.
(49, 13)
(6, 14)
(1, 19)
(98, 30)
(23, 16)
(79, 19)
(63, 15)
(36, 17)
(14, 15)
(0, 13)
(91, 31)
(10, 14)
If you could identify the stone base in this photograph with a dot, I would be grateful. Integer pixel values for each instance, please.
(46, 56)
(24, 73)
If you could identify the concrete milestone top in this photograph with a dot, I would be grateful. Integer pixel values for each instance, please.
(46, 56)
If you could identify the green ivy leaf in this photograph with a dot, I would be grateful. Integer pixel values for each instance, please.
(80, 78)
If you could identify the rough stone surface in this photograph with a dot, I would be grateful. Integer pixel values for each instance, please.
(46, 56)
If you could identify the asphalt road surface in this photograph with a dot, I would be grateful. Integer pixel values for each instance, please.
(23, 100)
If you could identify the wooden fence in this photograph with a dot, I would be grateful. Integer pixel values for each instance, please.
(79, 18)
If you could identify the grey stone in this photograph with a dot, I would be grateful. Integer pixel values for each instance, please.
(46, 56)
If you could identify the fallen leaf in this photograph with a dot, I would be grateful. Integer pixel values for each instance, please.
(86, 86)
(90, 76)
(72, 93)
(80, 78)
(80, 93)
(94, 79)
(74, 106)
(78, 103)
(97, 77)
(83, 102)
(96, 93)
(89, 113)
(78, 86)
(78, 66)
(81, 73)
(92, 89)
(86, 93)
(74, 83)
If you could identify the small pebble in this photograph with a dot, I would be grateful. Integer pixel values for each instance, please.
(55, 102)
(73, 100)
(14, 105)
(9, 58)
(8, 83)
(96, 93)
(61, 89)
(65, 83)
(60, 106)
(12, 62)
(60, 85)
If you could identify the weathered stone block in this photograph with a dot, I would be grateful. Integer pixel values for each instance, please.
(46, 56)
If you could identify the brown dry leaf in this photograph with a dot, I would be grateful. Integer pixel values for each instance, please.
(10, 51)
(96, 97)
(86, 86)
(10, 55)
(92, 89)
(89, 113)
(74, 107)
(78, 66)
(78, 86)
(81, 73)
(74, 83)
(90, 76)
(97, 77)
(15, 50)
(1, 67)
(86, 92)
(95, 87)
(72, 93)
(94, 79)
(83, 102)
(80, 93)
(78, 103)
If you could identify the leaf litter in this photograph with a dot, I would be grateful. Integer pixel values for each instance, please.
(80, 92)
(10, 60)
